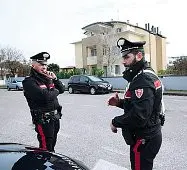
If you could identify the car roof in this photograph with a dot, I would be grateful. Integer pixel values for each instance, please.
(20, 156)
(17, 78)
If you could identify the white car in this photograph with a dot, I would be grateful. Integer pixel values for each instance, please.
(15, 83)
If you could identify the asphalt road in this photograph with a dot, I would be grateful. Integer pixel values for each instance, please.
(85, 132)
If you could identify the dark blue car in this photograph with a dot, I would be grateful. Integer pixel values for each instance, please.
(88, 84)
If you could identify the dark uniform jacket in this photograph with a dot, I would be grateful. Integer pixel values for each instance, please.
(142, 106)
(41, 93)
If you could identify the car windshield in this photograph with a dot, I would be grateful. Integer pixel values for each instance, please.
(93, 78)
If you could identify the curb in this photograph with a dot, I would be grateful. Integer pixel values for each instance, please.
(175, 93)
(169, 93)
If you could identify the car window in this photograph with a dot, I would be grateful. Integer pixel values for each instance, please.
(20, 79)
(75, 79)
(84, 79)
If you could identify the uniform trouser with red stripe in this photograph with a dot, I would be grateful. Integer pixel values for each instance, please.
(47, 134)
(142, 154)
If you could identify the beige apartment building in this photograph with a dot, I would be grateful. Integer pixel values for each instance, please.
(98, 49)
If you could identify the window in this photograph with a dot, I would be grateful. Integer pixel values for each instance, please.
(93, 52)
(117, 69)
(93, 70)
(118, 30)
(105, 70)
(104, 50)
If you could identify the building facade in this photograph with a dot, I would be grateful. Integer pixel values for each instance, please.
(99, 50)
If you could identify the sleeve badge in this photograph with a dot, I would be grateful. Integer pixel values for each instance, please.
(139, 93)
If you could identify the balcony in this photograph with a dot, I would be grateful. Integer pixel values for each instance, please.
(92, 60)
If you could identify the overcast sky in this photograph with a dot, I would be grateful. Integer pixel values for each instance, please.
(33, 26)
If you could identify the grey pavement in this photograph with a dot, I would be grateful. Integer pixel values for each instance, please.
(85, 132)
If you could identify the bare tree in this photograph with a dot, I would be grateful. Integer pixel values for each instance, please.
(12, 54)
(111, 53)
(12, 60)
(24, 69)
(2, 67)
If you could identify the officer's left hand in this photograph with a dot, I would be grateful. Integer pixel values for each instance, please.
(113, 128)
(51, 75)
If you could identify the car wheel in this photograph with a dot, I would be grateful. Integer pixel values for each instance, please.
(70, 89)
(92, 90)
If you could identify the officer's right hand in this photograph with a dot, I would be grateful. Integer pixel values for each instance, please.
(114, 100)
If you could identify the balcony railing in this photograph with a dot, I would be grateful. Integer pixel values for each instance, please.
(91, 60)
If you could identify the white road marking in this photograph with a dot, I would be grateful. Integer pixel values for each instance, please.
(105, 165)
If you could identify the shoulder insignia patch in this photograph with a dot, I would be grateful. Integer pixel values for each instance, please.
(157, 84)
(139, 93)
(127, 94)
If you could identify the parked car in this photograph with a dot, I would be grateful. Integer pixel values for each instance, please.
(14, 156)
(88, 84)
(15, 83)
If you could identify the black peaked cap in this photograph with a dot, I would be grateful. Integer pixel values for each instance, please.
(127, 46)
(41, 57)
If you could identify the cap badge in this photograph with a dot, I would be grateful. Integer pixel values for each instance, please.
(45, 55)
(121, 42)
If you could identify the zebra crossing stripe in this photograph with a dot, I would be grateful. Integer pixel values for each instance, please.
(105, 165)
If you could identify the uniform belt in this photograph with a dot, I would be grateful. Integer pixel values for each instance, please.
(50, 113)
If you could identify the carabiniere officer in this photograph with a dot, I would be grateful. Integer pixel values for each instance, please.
(41, 89)
(142, 105)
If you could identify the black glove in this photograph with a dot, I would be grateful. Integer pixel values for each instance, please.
(37, 117)
(162, 119)
(59, 113)
(59, 110)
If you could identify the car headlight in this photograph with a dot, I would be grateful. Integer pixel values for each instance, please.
(109, 87)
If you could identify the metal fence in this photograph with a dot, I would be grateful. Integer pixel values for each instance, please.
(169, 82)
